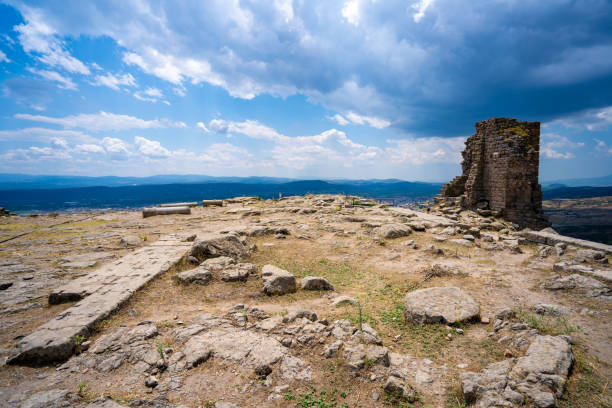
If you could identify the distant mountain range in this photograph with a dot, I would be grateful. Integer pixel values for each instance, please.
(25, 181)
(604, 181)
(24, 193)
(62, 199)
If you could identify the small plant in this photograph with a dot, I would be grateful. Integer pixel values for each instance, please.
(289, 397)
(547, 325)
(360, 307)
(78, 340)
(82, 386)
(368, 362)
(160, 349)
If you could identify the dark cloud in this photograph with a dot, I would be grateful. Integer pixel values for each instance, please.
(462, 61)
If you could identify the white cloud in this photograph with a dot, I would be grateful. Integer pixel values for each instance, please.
(49, 153)
(116, 148)
(302, 151)
(37, 37)
(102, 121)
(176, 70)
(151, 148)
(64, 82)
(373, 121)
(3, 57)
(150, 95)
(350, 11)
(553, 143)
(340, 119)
(43, 135)
(202, 126)
(114, 81)
(419, 151)
(90, 148)
(603, 147)
(59, 143)
(227, 155)
(421, 7)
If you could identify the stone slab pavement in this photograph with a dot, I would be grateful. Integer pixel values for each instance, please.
(102, 292)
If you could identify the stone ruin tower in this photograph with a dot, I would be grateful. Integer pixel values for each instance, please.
(500, 173)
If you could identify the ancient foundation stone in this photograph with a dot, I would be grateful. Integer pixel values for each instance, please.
(439, 305)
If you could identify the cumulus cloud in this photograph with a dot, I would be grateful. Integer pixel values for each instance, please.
(418, 151)
(63, 82)
(553, 143)
(114, 81)
(151, 148)
(334, 146)
(102, 121)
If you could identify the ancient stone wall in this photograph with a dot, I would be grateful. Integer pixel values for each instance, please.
(500, 172)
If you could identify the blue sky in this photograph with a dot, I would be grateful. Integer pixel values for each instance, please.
(303, 89)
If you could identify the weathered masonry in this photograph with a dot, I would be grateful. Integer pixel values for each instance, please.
(500, 172)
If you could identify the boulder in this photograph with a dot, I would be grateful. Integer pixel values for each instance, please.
(315, 283)
(462, 242)
(397, 386)
(390, 231)
(214, 245)
(277, 281)
(343, 301)
(591, 286)
(198, 275)
(439, 305)
(240, 272)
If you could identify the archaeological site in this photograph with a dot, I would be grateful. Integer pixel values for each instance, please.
(313, 301)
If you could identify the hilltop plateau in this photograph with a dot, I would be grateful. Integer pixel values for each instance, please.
(314, 301)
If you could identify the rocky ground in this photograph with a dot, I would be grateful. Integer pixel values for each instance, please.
(309, 302)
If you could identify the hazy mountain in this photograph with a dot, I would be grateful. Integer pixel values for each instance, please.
(55, 199)
(577, 182)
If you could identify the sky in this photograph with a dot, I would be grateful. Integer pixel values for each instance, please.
(307, 89)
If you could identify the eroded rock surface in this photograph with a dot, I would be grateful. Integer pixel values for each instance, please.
(539, 376)
(439, 305)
